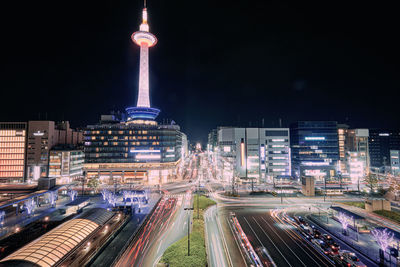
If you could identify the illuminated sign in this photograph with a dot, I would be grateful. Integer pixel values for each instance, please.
(278, 140)
(383, 134)
(314, 138)
(38, 133)
(317, 163)
(242, 156)
(314, 173)
(262, 152)
(144, 151)
(227, 149)
(141, 156)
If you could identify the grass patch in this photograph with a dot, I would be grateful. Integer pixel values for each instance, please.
(176, 254)
(357, 204)
(392, 215)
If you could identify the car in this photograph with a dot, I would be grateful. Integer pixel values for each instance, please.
(349, 258)
(263, 255)
(316, 233)
(322, 245)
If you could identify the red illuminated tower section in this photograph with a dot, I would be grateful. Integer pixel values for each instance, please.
(143, 38)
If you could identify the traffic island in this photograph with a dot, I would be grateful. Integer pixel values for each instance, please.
(177, 254)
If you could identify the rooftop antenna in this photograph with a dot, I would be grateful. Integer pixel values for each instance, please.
(144, 3)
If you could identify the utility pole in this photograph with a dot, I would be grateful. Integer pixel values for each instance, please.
(188, 230)
(325, 188)
(281, 192)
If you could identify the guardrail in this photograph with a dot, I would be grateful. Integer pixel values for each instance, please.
(134, 235)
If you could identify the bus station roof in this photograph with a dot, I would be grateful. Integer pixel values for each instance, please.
(52, 247)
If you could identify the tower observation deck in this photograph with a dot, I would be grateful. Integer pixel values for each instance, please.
(143, 112)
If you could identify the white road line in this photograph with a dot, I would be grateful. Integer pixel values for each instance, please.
(273, 230)
(309, 249)
(224, 242)
(269, 240)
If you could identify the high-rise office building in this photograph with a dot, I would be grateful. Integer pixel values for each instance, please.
(314, 149)
(137, 150)
(256, 154)
(357, 142)
(12, 151)
(42, 137)
(380, 144)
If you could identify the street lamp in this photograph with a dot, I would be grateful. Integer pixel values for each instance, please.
(188, 230)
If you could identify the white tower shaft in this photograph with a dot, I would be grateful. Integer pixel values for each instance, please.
(143, 97)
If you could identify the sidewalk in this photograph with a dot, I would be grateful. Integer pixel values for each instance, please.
(363, 243)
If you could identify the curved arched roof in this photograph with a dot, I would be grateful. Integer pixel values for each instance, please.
(50, 248)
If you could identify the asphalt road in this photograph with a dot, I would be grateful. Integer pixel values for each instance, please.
(216, 242)
(285, 246)
(136, 252)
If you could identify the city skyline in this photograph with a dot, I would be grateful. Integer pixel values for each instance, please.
(283, 165)
(202, 74)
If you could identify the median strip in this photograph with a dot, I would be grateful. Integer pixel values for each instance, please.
(176, 255)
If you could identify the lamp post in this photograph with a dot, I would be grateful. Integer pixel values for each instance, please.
(188, 230)
(198, 196)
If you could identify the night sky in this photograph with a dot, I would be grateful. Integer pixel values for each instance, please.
(217, 63)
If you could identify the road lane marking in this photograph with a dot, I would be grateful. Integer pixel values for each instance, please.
(269, 240)
(273, 230)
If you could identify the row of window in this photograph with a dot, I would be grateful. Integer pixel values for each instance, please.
(11, 162)
(12, 144)
(11, 174)
(12, 156)
(122, 137)
(11, 168)
(12, 133)
(12, 139)
(12, 150)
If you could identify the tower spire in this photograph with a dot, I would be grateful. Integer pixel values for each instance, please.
(144, 39)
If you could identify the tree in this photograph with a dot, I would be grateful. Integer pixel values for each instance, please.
(371, 181)
(93, 183)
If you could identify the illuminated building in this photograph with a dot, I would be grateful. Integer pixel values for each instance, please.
(342, 130)
(380, 144)
(395, 162)
(258, 154)
(357, 148)
(135, 150)
(12, 151)
(355, 166)
(314, 149)
(66, 164)
(42, 137)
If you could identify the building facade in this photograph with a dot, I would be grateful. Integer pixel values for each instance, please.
(380, 144)
(42, 137)
(255, 154)
(131, 153)
(395, 162)
(314, 149)
(66, 165)
(12, 151)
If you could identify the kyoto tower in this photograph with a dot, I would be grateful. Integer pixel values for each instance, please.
(143, 113)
